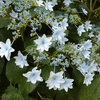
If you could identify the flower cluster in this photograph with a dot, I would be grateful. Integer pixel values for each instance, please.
(60, 40)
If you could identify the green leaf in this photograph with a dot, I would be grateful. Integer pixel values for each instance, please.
(91, 92)
(2, 62)
(78, 77)
(5, 34)
(46, 72)
(43, 89)
(62, 95)
(12, 93)
(29, 48)
(33, 13)
(29, 41)
(45, 61)
(74, 92)
(5, 22)
(26, 87)
(13, 72)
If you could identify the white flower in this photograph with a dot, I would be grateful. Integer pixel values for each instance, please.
(83, 68)
(58, 34)
(91, 34)
(54, 2)
(21, 60)
(88, 78)
(67, 2)
(14, 14)
(40, 2)
(87, 45)
(80, 29)
(89, 67)
(98, 36)
(88, 25)
(62, 40)
(6, 49)
(33, 76)
(55, 80)
(64, 23)
(67, 84)
(86, 53)
(84, 11)
(48, 5)
(92, 67)
(43, 43)
(55, 24)
(1, 2)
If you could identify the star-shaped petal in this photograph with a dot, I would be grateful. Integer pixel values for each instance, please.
(33, 76)
(55, 80)
(6, 49)
(21, 60)
(43, 43)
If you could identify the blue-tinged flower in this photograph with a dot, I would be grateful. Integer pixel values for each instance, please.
(83, 68)
(88, 78)
(87, 45)
(62, 40)
(48, 5)
(67, 84)
(64, 23)
(58, 34)
(80, 29)
(14, 14)
(84, 11)
(55, 80)
(54, 2)
(67, 2)
(91, 34)
(86, 53)
(43, 43)
(39, 2)
(33, 76)
(6, 49)
(88, 25)
(21, 60)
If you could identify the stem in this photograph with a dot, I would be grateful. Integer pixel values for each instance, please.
(37, 34)
(90, 5)
(12, 42)
(94, 3)
(90, 9)
(96, 9)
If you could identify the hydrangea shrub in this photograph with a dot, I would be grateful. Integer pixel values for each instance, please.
(49, 49)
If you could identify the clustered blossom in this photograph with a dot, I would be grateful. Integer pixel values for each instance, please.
(88, 70)
(84, 27)
(56, 81)
(85, 49)
(57, 49)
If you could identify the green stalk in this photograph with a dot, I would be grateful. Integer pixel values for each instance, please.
(91, 8)
(94, 3)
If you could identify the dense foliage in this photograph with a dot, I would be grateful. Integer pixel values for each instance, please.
(49, 49)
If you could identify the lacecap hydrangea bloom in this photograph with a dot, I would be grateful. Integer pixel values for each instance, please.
(33, 76)
(43, 43)
(6, 49)
(20, 60)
